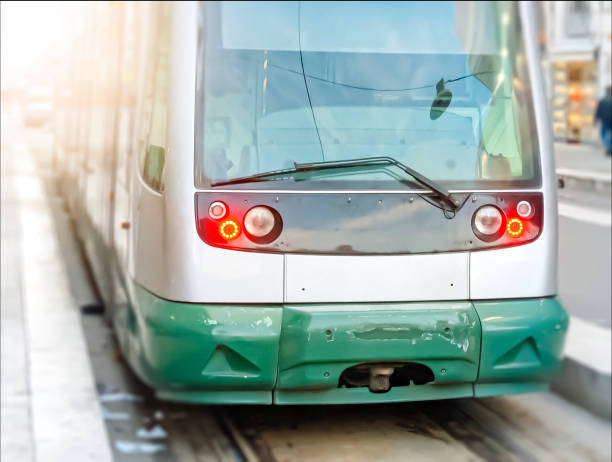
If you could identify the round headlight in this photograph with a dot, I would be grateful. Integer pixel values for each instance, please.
(487, 222)
(259, 221)
(262, 224)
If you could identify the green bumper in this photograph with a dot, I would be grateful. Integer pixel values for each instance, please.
(294, 354)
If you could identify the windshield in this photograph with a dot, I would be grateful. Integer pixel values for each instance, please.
(439, 86)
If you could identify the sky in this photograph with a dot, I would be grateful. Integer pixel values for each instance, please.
(32, 34)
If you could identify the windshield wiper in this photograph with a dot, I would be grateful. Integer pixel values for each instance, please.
(368, 161)
(451, 202)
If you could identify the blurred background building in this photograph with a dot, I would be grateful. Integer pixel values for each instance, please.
(575, 40)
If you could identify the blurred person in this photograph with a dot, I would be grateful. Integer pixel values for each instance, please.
(604, 114)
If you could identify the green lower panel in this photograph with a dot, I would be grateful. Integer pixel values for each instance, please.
(182, 347)
(295, 354)
(363, 395)
(319, 342)
(217, 396)
(482, 390)
(522, 340)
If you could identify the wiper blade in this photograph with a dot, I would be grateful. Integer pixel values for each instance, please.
(265, 176)
(349, 163)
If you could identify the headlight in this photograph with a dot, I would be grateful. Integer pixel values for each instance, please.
(259, 221)
(262, 224)
(487, 223)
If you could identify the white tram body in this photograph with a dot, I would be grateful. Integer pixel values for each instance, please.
(377, 285)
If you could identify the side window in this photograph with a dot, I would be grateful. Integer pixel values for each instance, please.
(148, 83)
(128, 90)
(153, 139)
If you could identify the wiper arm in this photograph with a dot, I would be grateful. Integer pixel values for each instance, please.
(349, 163)
(383, 160)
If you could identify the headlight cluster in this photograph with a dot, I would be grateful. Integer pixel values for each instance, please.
(261, 224)
(489, 222)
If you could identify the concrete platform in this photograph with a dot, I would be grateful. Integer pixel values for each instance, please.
(585, 373)
(50, 410)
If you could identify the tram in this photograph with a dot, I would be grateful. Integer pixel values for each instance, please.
(316, 202)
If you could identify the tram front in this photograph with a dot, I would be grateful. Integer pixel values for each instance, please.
(375, 204)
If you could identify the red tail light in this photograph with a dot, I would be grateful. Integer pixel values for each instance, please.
(515, 227)
(229, 229)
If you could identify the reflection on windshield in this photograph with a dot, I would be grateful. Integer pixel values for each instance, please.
(287, 82)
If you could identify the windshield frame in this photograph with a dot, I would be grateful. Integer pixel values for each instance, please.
(325, 183)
